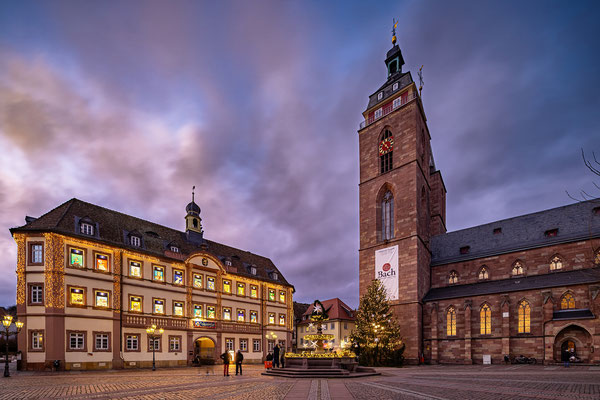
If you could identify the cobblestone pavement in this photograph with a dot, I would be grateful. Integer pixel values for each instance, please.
(425, 382)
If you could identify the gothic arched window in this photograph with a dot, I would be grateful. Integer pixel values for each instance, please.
(453, 277)
(517, 268)
(451, 322)
(567, 302)
(524, 314)
(556, 263)
(483, 274)
(485, 320)
(386, 147)
(387, 216)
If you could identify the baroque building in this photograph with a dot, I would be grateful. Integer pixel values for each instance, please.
(526, 285)
(91, 280)
(340, 324)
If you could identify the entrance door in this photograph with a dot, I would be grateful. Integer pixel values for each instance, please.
(567, 349)
(204, 348)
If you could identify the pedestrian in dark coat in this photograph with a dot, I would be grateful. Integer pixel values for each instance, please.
(225, 358)
(276, 356)
(239, 357)
(282, 358)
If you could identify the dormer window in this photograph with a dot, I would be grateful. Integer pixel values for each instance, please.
(465, 249)
(228, 263)
(274, 276)
(135, 241)
(175, 249)
(380, 96)
(395, 86)
(551, 232)
(497, 231)
(253, 270)
(86, 228)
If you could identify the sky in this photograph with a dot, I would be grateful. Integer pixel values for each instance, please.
(257, 103)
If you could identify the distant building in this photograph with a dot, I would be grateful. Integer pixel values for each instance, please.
(91, 280)
(299, 310)
(340, 324)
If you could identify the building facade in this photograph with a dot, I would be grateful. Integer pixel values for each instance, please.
(340, 324)
(91, 280)
(526, 285)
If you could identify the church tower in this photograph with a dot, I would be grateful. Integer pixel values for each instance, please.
(402, 198)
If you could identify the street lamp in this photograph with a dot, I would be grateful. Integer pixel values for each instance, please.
(153, 334)
(7, 322)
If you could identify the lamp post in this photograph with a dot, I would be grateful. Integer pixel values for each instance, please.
(153, 334)
(7, 322)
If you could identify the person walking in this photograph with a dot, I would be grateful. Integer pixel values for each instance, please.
(239, 357)
(276, 356)
(225, 358)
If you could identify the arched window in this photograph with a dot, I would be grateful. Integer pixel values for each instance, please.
(517, 268)
(485, 320)
(451, 322)
(556, 263)
(387, 216)
(597, 260)
(483, 273)
(524, 312)
(567, 302)
(453, 277)
(386, 147)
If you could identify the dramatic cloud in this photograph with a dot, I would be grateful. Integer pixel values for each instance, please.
(128, 105)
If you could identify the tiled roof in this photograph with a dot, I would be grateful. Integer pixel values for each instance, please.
(403, 78)
(574, 222)
(556, 279)
(336, 309)
(156, 239)
(581, 313)
(300, 309)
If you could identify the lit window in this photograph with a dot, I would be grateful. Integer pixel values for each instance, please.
(241, 289)
(37, 340)
(386, 149)
(241, 316)
(387, 216)
(229, 344)
(524, 312)
(101, 341)
(135, 241)
(483, 274)
(210, 283)
(77, 296)
(86, 229)
(76, 341)
(271, 294)
(178, 309)
(197, 280)
(102, 263)
(253, 317)
(197, 311)
(101, 299)
(226, 314)
(253, 291)
(175, 249)
(158, 273)
(281, 319)
(226, 286)
(555, 263)
(282, 296)
(132, 342)
(567, 302)
(256, 345)
(485, 323)
(210, 312)
(174, 343)
(453, 278)
(37, 294)
(244, 344)
(135, 269)
(272, 318)
(451, 322)
(159, 306)
(135, 304)
(177, 277)
(517, 269)
(76, 258)
(597, 259)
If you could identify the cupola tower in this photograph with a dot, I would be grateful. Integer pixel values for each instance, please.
(193, 222)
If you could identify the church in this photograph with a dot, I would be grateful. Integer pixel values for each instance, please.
(526, 285)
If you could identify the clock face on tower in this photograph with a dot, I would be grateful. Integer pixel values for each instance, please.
(386, 145)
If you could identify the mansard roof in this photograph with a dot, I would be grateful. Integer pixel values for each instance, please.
(555, 279)
(403, 78)
(156, 238)
(579, 221)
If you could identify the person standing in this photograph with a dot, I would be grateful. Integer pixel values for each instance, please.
(276, 356)
(282, 358)
(239, 357)
(269, 361)
(225, 358)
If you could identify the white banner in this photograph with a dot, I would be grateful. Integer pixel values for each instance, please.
(386, 270)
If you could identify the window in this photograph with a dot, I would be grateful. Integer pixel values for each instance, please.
(281, 319)
(226, 286)
(229, 344)
(158, 273)
(226, 314)
(379, 95)
(197, 310)
(101, 263)
(253, 317)
(483, 274)
(135, 269)
(345, 326)
(178, 308)
(485, 320)
(517, 269)
(76, 341)
(77, 297)
(451, 322)
(36, 254)
(281, 296)
(271, 294)
(397, 102)
(395, 86)
(101, 298)
(101, 342)
(36, 295)
(154, 343)
(551, 232)
(135, 241)
(210, 283)
(453, 278)
(177, 277)
(567, 302)
(524, 312)
(135, 304)
(597, 259)
(132, 342)
(270, 345)
(241, 289)
(253, 270)
(386, 147)
(158, 306)
(174, 343)
(333, 325)
(37, 340)
(387, 216)
(555, 263)
(465, 250)
(244, 344)
(497, 231)
(241, 315)
(272, 318)
(210, 312)
(76, 258)
(86, 228)
(274, 276)
(254, 291)
(228, 263)
(175, 249)
(197, 280)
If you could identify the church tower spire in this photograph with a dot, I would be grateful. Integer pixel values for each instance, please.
(193, 222)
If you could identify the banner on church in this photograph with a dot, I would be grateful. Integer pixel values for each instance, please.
(386, 270)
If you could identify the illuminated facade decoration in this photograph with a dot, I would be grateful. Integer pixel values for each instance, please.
(340, 324)
(74, 281)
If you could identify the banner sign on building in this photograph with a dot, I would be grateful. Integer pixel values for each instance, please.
(204, 324)
(386, 270)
